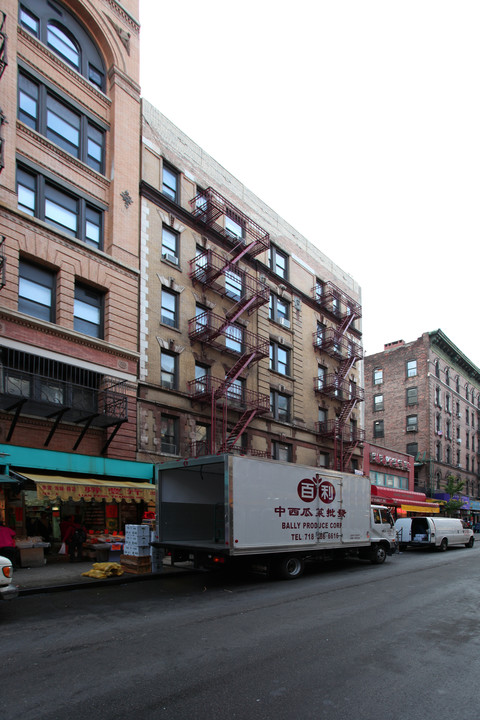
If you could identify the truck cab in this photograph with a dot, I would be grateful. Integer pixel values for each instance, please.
(382, 533)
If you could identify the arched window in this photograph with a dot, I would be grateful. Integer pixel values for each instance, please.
(64, 44)
(57, 28)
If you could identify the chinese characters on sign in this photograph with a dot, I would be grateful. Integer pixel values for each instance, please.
(326, 523)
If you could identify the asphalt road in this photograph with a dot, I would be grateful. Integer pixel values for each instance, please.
(398, 641)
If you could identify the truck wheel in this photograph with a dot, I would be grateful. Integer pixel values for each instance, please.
(378, 554)
(443, 545)
(290, 568)
(470, 542)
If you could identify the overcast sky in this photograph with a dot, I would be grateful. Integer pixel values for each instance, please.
(357, 121)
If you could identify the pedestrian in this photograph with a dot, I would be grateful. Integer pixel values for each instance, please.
(74, 537)
(7, 544)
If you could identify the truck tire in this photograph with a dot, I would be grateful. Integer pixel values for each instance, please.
(378, 554)
(443, 545)
(470, 542)
(290, 567)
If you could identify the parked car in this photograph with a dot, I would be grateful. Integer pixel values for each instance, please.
(8, 591)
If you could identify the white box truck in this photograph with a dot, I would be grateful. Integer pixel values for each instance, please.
(220, 509)
(439, 533)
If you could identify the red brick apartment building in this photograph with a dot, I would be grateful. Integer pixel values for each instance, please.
(423, 398)
(69, 215)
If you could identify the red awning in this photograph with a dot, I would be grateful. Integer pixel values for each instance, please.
(398, 498)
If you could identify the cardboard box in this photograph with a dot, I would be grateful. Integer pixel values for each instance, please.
(32, 557)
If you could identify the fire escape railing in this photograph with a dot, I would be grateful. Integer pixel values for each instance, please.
(212, 209)
(330, 341)
(210, 269)
(2, 261)
(221, 334)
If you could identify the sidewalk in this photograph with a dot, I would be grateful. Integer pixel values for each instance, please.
(61, 575)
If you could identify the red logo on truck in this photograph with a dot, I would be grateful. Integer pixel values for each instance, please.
(310, 488)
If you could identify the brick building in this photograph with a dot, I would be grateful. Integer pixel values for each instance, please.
(69, 215)
(249, 335)
(423, 398)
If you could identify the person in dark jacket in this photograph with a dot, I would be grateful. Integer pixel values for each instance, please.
(74, 536)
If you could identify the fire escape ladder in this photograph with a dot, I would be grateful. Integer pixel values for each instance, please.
(3, 43)
(238, 429)
(234, 372)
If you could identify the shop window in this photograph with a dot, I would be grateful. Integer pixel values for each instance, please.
(88, 311)
(60, 30)
(36, 291)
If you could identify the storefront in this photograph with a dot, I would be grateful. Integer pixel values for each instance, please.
(470, 510)
(42, 488)
(391, 475)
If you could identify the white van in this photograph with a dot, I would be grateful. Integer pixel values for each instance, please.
(436, 532)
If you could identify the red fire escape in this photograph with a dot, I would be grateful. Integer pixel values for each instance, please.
(336, 386)
(225, 277)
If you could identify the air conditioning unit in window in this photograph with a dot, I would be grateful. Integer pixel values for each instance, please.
(459, 441)
(168, 384)
(284, 322)
(170, 257)
(411, 429)
(459, 415)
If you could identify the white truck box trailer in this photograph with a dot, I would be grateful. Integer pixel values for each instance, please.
(217, 509)
(436, 532)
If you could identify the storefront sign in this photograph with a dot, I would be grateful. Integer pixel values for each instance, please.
(377, 458)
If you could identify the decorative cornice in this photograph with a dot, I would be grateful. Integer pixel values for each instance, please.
(56, 331)
(66, 241)
(126, 17)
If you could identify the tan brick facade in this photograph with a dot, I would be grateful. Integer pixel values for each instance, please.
(45, 362)
(169, 420)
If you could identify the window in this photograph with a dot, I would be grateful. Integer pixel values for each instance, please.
(411, 368)
(233, 227)
(60, 122)
(281, 451)
(377, 402)
(319, 290)
(378, 376)
(202, 378)
(279, 358)
(448, 429)
(320, 336)
(170, 182)
(169, 309)
(168, 370)
(170, 245)
(36, 291)
(88, 311)
(236, 392)
(438, 423)
(65, 36)
(447, 376)
(40, 198)
(233, 284)
(279, 310)
(321, 377)
(412, 449)
(436, 365)
(278, 262)
(448, 455)
(412, 423)
(234, 338)
(169, 435)
(324, 460)
(280, 406)
(412, 396)
(448, 403)
(322, 418)
(378, 429)
(201, 318)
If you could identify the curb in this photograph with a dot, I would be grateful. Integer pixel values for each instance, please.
(103, 582)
